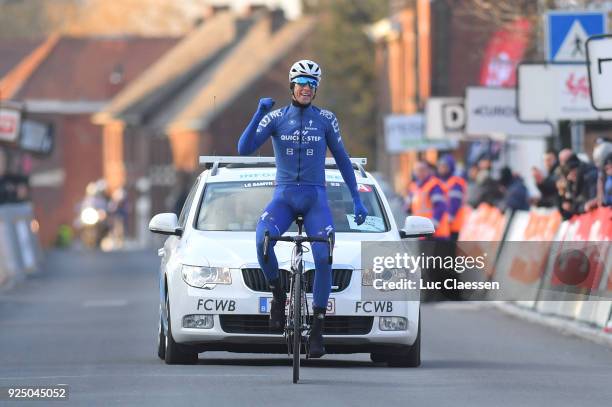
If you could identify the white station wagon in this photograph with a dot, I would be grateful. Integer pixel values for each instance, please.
(213, 294)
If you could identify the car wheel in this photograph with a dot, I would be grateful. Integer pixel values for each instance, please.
(177, 354)
(378, 357)
(408, 356)
(161, 342)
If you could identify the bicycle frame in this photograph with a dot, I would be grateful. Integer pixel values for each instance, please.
(296, 324)
(297, 319)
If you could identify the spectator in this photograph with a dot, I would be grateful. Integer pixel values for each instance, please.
(580, 187)
(118, 213)
(456, 193)
(485, 188)
(427, 197)
(4, 190)
(607, 181)
(564, 155)
(514, 190)
(547, 184)
(14, 188)
(471, 175)
(3, 183)
(602, 150)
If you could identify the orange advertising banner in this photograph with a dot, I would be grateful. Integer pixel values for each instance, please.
(484, 224)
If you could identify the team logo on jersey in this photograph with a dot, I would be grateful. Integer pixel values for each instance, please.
(327, 114)
(334, 121)
(304, 138)
(364, 188)
(335, 125)
(268, 118)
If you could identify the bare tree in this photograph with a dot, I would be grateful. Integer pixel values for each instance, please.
(501, 12)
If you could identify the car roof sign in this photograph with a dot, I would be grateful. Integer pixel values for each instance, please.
(217, 161)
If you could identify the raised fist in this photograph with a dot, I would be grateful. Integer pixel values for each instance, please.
(265, 104)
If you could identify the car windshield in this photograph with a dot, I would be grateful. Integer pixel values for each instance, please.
(237, 206)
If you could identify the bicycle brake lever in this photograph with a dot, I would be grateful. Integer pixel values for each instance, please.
(265, 248)
(330, 246)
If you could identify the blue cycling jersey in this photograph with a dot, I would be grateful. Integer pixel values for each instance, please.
(300, 138)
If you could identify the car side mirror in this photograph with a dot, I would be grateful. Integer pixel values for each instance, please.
(417, 226)
(165, 224)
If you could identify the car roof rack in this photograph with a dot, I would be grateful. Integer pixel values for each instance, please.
(214, 162)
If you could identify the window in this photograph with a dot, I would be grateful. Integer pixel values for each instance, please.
(237, 206)
(187, 205)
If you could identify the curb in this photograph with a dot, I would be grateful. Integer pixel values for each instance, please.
(565, 326)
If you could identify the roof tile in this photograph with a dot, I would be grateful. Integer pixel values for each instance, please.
(92, 68)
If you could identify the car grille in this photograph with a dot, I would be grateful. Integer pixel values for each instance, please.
(258, 324)
(254, 279)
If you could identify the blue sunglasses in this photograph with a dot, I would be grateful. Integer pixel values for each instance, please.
(302, 81)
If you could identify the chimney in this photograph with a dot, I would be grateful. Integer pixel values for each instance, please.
(253, 9)
(212, 10)
(209, 12)
(278, 19)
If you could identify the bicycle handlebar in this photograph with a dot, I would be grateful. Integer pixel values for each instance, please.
(301, 239)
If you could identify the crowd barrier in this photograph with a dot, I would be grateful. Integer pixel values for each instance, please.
(535, 268)
(20, 251)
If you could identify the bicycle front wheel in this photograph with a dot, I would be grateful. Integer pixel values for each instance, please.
(297, 323)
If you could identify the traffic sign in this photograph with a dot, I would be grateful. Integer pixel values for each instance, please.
(10, 122)
(553, 92)
(445, 118)
(599, 53)
(406, 133)
(568, 31)
(493, 111)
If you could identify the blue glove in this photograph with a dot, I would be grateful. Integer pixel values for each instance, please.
(265, 104)
(360, 212)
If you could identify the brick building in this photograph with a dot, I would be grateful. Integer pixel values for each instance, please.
(425, 48)
(197, 99)
(62, 81)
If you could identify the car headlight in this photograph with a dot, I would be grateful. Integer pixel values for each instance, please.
(197, 276)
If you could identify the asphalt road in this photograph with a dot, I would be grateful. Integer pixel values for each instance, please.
(90, 322)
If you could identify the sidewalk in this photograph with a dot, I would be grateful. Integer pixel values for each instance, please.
(565, 326)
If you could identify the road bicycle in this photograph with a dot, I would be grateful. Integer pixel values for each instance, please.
(297, 325)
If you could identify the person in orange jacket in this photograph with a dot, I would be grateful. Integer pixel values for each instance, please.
(427, 197)
(456, 188)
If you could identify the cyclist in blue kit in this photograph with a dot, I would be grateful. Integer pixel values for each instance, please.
(301, 134)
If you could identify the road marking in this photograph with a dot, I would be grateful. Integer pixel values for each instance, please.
(104, 303)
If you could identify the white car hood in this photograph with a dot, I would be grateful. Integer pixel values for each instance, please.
(237, 249)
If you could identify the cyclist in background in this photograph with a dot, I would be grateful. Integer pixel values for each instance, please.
(301, 134)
